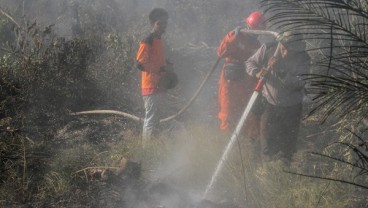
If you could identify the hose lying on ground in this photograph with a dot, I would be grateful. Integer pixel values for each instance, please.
(133, 117)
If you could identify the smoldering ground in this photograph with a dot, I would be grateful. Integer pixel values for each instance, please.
(47, 147)
(111, 82)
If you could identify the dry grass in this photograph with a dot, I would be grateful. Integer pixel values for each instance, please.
(190, 162)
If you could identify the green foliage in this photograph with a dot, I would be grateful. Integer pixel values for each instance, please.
(336, 35)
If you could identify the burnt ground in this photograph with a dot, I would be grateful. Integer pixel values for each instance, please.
(106, 188)
(84, 141)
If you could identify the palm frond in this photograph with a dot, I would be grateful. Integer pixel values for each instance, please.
(359, 161)
(329, 179)
(340, 80)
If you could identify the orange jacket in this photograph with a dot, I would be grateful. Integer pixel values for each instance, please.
(237, 48)
(150, 58)
(234, 95)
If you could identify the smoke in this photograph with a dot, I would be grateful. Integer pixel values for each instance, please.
(195, 29)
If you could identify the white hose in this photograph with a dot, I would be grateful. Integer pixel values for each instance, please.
(260, 32)
(241, 122)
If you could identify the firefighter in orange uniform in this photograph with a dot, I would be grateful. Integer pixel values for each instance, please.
(235, 85)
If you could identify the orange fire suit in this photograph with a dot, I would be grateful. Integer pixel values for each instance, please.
(233, 96)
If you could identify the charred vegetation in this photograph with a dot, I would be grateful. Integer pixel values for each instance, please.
(79, 56)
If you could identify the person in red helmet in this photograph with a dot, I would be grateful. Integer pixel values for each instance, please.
(256, 20)
(235, 85)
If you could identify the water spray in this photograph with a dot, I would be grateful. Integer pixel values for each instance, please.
(244, 116)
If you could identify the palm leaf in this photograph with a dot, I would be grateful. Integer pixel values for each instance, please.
(359, 162)
(339, 80)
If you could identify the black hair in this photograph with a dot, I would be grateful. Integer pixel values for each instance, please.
(157, 13)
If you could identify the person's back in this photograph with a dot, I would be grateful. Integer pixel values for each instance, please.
(235, 86)
(150, 57)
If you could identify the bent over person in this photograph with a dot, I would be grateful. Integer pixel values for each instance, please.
(283, 92)
(235, 85)
(151, 61)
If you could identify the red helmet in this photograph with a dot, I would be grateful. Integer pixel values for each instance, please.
(255, 20)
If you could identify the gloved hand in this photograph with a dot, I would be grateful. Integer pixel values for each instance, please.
(237, 31)
(271, 63)
(262, 73)
(270, 66)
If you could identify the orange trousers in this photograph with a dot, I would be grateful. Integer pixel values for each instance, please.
(233, 97)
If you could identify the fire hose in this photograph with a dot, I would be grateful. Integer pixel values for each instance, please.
(244, 116)
(136, 118)
(195, 95)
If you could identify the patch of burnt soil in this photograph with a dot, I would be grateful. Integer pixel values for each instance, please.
(121, 186)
